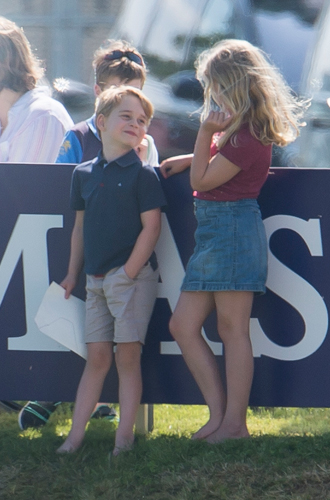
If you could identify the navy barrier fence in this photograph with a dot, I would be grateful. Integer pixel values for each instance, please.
(289, 324)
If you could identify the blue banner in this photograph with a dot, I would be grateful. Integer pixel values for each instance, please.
(289, 324)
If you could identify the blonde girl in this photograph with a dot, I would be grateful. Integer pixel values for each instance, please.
(247, 108)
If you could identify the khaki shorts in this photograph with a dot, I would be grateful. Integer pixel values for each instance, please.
(118, 308)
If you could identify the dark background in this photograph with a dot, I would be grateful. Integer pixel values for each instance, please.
(54, 376)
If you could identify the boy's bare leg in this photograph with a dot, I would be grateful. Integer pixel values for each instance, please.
(128, 361)
(99, 359)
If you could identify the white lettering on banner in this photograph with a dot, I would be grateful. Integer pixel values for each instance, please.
(172, 273)
(296, 291)
(29, 239)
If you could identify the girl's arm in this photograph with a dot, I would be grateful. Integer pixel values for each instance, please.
(206, 174)
(175, 165)
(76, 254)
(145, 243)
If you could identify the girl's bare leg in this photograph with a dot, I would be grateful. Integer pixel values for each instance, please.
(128, 361)
(185, 325)
(234, 310)
(99, 359)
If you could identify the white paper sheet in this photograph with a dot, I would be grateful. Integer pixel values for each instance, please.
(63, 319)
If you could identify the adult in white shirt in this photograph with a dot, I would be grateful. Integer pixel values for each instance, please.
(32, 124)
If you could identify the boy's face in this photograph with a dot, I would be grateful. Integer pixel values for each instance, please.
(115, 81)
(126, 125)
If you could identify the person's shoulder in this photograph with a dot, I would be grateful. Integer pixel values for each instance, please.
(80, 127)
(150, 187)
(40, 100)
(146, 167)
(149, 171)
(245, 138)
(244, 133)
(86, 166)
(40, 97)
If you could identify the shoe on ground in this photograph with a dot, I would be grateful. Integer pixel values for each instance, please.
(35, 414)
(105, 411)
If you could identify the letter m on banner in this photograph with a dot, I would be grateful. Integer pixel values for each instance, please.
(29, 240)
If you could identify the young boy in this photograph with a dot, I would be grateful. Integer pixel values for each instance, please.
(116, 63)
(117, 202)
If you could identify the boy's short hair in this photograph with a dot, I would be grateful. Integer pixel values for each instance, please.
(117, 58)
(19, 68)
(112, 97)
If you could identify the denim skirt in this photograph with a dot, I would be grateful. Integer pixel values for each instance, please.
(231, 248)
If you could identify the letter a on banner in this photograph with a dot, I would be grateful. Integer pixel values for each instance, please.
(172, 273)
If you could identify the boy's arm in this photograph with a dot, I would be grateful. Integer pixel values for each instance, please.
(70, 150)
(145, 243)
(76, 255)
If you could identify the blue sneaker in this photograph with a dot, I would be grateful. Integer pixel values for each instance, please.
(105, 411)
(36, 414)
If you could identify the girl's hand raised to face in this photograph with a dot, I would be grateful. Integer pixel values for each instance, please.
(217, 121)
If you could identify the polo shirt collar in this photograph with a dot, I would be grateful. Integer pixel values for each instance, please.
(123, 161)
(91, 123)
(128, 159)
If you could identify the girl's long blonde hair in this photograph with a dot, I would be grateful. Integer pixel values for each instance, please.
(238, 76)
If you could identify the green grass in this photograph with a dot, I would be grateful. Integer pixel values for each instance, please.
(288, 457)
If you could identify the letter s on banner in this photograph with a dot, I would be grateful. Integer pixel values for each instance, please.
(296, 291)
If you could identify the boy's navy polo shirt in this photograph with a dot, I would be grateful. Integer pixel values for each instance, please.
(113, 196)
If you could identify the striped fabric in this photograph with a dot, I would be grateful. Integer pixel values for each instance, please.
(36, 127)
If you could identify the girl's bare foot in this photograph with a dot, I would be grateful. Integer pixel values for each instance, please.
(227, 432)
(123, 443)
(209, 428)
(118, 450)
(67, 447)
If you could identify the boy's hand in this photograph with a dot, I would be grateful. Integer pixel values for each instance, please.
(142, 150)
(129, 273)
(68, 284)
